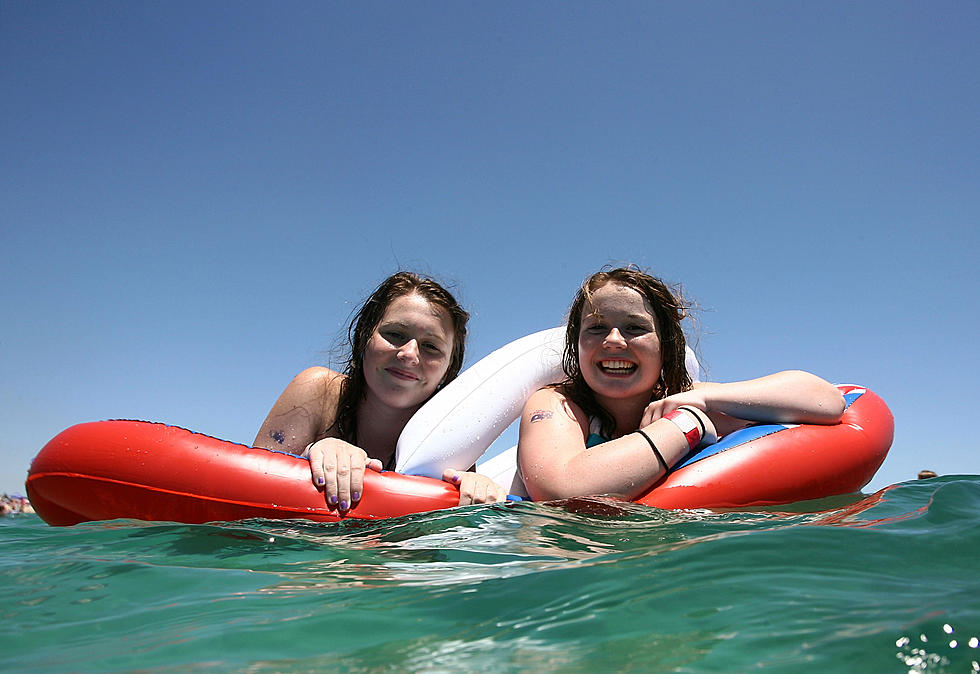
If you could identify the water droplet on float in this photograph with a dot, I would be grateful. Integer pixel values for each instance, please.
(953, 644)
(974, 642)
(901, 643)
(947, 628)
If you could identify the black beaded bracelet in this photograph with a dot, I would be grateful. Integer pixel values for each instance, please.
(656, 452)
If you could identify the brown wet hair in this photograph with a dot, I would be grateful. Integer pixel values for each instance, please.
(367, 318)
(669, 309)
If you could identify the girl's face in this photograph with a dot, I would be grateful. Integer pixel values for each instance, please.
(409, 352)
(618, 344)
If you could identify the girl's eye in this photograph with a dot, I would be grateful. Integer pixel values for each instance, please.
(595, 329)
(431, 348)
(638, 329)
(393, 336)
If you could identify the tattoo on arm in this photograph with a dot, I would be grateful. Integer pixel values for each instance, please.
(540, 415)
(278, 436)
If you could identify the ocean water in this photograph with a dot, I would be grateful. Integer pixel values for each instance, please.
(888, 582)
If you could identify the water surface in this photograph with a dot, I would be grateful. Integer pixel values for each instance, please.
(888, 582)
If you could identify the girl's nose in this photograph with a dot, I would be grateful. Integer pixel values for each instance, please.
(409, 352)
(614, 339)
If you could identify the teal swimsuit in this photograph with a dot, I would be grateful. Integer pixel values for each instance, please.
(595, 438)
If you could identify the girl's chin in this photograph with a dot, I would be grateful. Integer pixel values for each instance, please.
(620, 387)
(401, 400)
(404, 399)
(402, 405)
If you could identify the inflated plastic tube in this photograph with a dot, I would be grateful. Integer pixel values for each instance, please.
(106, 470)
(460, 422)
(139, 470)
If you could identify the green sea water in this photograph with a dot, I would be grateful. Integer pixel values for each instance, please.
(888, 582)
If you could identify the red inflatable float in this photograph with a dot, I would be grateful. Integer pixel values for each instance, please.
(147, 471)
(141, 470)
(775, 464)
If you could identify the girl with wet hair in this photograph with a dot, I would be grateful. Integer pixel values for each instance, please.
(406, 341)
(627, 411)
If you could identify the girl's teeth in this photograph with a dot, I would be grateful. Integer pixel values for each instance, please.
(617, 365)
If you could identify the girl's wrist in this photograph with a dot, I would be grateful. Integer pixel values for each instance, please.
(707, 429)
(688, 423)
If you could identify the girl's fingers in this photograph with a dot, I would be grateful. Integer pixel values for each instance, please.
(345, 475)
(357, 479)
(328, 463)
(474, 488)
(338, 469)
(316, 467)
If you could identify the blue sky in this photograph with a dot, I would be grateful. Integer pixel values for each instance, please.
(195, 195)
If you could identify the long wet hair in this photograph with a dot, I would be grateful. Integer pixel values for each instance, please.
(367, 318)
(669, 309)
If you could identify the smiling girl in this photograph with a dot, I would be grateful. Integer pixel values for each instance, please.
(627, 410)
(406, 342)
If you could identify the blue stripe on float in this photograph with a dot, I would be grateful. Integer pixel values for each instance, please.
(749, 434)
(730, 441)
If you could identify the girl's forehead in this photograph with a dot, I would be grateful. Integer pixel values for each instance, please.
(615, 298)
(415, 309)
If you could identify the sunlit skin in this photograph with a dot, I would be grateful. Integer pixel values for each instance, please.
(407, 356)
(619, 351)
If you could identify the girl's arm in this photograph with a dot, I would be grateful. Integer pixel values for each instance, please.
(555, 462)
(790, 397)
(306, 407)
(301, 411)
(296, 423)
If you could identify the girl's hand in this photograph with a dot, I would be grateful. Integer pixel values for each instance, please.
(691, 400)
(660, 408)
(338, 468)
(474, 488)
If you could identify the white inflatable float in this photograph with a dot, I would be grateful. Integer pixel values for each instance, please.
(456, 427)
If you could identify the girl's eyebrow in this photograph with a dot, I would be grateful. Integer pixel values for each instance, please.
(401, 325)
(596, 316)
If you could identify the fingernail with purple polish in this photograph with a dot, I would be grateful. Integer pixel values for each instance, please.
(356, 496)
(343, 505)
(333, 500)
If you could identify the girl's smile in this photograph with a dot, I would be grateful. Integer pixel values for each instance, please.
(408, 354)
(619, 348)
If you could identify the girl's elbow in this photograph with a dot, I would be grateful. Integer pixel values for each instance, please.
(837, 406)
(829, 401)
(537, 488)
(541, 487)
(830, 406)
